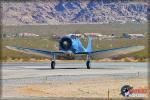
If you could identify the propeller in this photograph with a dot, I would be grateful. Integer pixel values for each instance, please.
(65, 43)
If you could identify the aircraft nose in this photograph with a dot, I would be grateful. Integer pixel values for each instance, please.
(65, 43)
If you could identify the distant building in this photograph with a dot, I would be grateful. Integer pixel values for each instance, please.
(17, 35)
(92, 34)
(27, 35)
(98, 35)
(127, 35)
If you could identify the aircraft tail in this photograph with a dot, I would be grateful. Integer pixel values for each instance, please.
(89, 45)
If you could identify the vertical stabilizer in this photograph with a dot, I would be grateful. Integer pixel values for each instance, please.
(89, 45)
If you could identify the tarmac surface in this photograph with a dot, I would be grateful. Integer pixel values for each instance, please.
(66, 70)
(18, 74)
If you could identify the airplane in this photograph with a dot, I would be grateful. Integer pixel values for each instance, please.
(72, 45)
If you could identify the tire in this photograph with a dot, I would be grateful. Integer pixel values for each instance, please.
(88, 64)
(53, 65)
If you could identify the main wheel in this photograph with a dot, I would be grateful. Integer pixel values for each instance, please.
(88, 64)
(53, 65)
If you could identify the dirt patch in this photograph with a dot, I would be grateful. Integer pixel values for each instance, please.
(32, 91)
(97, 87)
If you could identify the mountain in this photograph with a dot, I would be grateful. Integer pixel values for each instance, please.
(74, 11)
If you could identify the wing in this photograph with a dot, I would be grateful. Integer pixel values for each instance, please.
(34, 51)
(114, 51)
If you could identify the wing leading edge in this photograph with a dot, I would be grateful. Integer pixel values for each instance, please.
(34, 51)
(114, 51)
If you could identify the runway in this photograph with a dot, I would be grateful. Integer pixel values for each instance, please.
(30, 70)
(26, 80)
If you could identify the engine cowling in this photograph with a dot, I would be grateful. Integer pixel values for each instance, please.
(65, 44)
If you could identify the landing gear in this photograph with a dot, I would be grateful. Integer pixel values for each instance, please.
(53, 65)
(53, 62)
(88, 64)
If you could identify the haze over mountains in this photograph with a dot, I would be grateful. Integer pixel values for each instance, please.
(74, 11)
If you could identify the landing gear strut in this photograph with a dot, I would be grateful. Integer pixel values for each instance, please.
(53, 62)
(88, 64)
